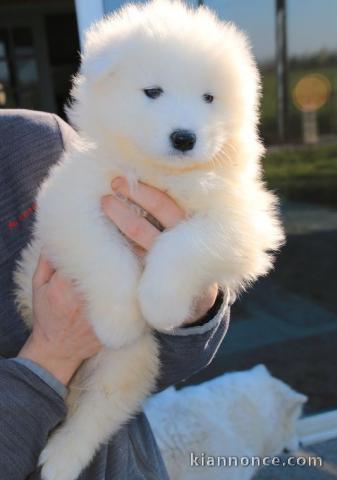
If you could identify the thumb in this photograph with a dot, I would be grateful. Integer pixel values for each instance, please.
(43, 272)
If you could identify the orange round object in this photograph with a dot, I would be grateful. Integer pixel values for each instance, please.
(311, 92)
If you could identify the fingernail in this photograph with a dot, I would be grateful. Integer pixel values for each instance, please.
(119, 196)
(117, 183)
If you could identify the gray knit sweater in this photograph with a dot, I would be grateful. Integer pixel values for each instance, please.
(32, 400)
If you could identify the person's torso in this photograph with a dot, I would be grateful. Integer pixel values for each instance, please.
(31, 142)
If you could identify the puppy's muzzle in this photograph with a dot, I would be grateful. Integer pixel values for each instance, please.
(183, 140)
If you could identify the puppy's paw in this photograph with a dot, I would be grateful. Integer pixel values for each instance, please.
(164, 300)
(118, 325)
(63, 458)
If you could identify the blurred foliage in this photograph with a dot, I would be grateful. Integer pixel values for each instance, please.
(322, 58)
(305, 173)
(325, 63)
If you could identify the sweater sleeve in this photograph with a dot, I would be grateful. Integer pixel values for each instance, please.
(46, 376)
(29, 410)
(185, 351)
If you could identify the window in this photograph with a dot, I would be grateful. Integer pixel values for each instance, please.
(18, 68)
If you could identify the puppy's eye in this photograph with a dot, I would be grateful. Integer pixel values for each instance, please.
(208, 97)
(154, 92)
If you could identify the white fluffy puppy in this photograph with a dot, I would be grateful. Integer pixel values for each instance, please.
(241, 415)
(169, 96)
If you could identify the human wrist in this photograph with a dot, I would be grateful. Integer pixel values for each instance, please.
(204, 305)
(62, 368)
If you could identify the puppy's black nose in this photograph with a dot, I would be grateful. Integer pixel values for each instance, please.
(183, 140)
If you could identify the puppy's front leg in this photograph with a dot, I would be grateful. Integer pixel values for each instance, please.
(109, 288)
(183, 262)
(111, 388)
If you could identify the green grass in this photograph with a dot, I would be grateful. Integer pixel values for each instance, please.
(308, 174)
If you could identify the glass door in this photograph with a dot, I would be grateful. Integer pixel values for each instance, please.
(18, 68)
(24, 69)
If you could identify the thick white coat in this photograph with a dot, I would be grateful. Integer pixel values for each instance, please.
(240, 415)
(231, 226)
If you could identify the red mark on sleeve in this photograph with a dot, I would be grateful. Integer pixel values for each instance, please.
(12, 224)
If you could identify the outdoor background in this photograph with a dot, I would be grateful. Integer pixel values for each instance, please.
(288, 321)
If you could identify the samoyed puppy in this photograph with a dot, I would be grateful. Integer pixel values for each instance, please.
(203, 431)
(167, 95)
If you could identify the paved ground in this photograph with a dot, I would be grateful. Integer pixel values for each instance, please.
(300, 218)
(327, 451)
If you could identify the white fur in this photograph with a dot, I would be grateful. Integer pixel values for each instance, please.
(241, 414)
(231, 227)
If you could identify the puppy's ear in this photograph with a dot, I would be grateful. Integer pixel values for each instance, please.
(294, 405)
(261, 369)
(96, 67)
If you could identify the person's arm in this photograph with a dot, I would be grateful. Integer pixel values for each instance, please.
(33, 385)
(29, 410)
(186, 350)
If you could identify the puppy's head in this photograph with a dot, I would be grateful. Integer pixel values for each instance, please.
(166, 84)
(281, 407)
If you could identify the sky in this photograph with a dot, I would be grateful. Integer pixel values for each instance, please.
(312, 24)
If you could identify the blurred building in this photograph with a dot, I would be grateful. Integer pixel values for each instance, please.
(39, 52)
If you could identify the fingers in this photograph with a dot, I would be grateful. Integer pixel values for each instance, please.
(59, 287)
(43, 272)
(154, 201)
(135, 227)
(158, 204)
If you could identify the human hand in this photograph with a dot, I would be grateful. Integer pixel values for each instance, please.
(61, 336)
(142, 233)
